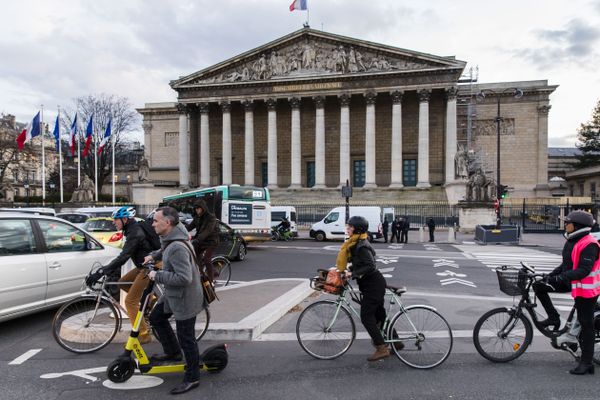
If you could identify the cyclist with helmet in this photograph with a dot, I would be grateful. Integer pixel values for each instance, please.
(357, 251)
(136, 247)
(206, 239)
(578, 273)
(284, 226)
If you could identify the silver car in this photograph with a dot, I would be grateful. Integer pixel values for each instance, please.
(43, 261)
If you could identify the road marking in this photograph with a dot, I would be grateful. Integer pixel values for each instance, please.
(444, 263)
(450, 281)
(389, 269)
(81, 373)
(387, 259)
(135, 382)
(450, 273)
(24, 357)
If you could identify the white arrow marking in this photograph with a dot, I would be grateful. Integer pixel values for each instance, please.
(450, 273)
(450, 281)
(445, 264)
(396, 246)
(386, 262)
(391, 269)
(82, 373)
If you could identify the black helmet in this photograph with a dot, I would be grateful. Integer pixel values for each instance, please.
(360, 224)
(580, 217)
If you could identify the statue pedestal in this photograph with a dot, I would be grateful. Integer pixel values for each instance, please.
(148, 194)
(473, 213)
(456, 191)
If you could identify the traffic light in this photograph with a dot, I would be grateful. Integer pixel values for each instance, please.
(502, 191)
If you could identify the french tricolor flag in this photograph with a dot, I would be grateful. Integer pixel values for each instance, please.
(88, 136)
(106, 136)
(299, 5)
(73, 134)
(31, 130)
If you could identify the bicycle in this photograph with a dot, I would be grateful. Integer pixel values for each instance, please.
(326, 330)
(504, 334)
(90, 322)
(222, 270)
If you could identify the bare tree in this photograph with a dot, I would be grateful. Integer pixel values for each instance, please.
(8, 148)
(125, 120)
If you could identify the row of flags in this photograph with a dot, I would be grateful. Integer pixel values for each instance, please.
(33, 129)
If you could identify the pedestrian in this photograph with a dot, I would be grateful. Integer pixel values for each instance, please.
(358, 251)
(136, 247)
(183, 298)
(405, 229)
(395, 232)
(431, 226)
(579, 273)
(206, 238)
(384, 228)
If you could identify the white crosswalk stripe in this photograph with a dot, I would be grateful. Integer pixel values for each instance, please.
(512, 256)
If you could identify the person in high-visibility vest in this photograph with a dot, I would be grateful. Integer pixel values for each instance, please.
(578, 273)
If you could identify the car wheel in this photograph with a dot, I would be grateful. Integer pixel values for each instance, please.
(320, 236)
(241, 255)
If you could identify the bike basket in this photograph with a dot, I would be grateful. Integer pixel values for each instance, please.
(512, 281)
(329, 281)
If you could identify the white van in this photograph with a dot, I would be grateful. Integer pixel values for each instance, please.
(334, 224)
(278, 212)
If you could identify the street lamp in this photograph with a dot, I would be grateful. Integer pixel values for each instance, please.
(52, 186)
(516, 93)
(26, 186)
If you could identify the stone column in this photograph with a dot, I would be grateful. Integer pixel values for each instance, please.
(450, 133)
(147, 126)
(249, 142)
(296, 181)
(226, 151)
(272, 144)
(204, 146)
(423, 152)
(320, 142)
(184, 147)
(542, 166)
(396, 176)
(344, 139)
(370, 141)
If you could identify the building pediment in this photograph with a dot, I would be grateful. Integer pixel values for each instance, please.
(308, 53)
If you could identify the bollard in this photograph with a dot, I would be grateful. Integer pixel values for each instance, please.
(451, 235)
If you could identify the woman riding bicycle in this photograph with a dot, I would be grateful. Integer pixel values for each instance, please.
(579, 273)
(358, 251)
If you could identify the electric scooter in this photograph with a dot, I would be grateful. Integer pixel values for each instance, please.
(212, 360)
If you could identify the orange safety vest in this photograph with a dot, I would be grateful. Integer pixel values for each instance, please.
(589, 286)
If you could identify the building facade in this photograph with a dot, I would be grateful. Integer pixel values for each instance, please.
(314, 110)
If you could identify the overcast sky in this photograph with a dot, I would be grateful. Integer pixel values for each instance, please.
(54, 51)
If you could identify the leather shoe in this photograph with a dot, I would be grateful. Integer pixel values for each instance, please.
(555, 322)
(185, 387)
(583, 369)
(159, 358)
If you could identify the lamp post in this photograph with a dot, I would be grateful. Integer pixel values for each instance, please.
(26, 186)
(52, 185)
(516, 93)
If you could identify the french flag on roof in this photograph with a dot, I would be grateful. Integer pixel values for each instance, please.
(106, 137)
(31, 130)
(299, 5)
(73, 134)
(88, 136)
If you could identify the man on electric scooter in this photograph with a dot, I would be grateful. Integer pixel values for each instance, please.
(183, 298)
(284, 227)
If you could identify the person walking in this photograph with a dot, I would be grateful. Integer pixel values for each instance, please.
(395, 232)
(206, 238)
(579, 273)
(404, 229)
(184, 298)
(431, 226)
(384, 227)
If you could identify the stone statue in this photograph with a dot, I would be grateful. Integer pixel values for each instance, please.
(477, 186)
(461, 163)
(85, 192)
(143, 170)
(7, 192)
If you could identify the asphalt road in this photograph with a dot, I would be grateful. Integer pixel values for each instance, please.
(275, 366)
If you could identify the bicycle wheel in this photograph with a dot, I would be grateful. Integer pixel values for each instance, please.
(426, 335)
(325, 330)
(500, 336)
(202, 322)
(221, 270)
(85, 325)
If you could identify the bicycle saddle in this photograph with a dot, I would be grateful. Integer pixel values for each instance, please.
(396, 289)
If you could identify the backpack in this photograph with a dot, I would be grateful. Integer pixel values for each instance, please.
(151, 236)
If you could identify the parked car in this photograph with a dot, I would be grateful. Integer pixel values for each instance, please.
(77, 219)
(43, 261)
(103, 229)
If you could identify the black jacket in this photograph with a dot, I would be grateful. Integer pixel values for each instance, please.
(207, 234)
(363, 259)
(431, 224)
(588, 257)
(385, 226)
(136, 247)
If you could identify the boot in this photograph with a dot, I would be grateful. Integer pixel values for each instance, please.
(381, 351)
(583, 369)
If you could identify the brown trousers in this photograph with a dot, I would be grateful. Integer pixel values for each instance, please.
(139, 280)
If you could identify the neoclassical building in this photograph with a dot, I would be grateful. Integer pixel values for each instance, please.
(314, 109)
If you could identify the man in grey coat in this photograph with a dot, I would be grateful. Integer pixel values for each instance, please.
(183, 298)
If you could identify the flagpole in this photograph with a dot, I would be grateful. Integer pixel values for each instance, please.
(60, 159)
(113, 167)
(95, 163)
(78, 153)
(43, 159)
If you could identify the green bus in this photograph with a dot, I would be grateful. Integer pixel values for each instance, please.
(246, 209)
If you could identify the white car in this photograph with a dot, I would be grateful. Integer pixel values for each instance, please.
(43, 261)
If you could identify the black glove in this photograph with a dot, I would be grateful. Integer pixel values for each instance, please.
(554, 281)
(94, 277)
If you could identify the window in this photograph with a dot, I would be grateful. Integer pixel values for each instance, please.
(332, 217)
(310, 173)
(264, 173)
(581, 189)
(61, 237)
(100, 225)
(16, 237)
(409, 172)
(277, 215)
(593, 189)
(358, 179)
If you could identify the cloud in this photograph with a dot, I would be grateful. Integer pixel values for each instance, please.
(577, 43)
